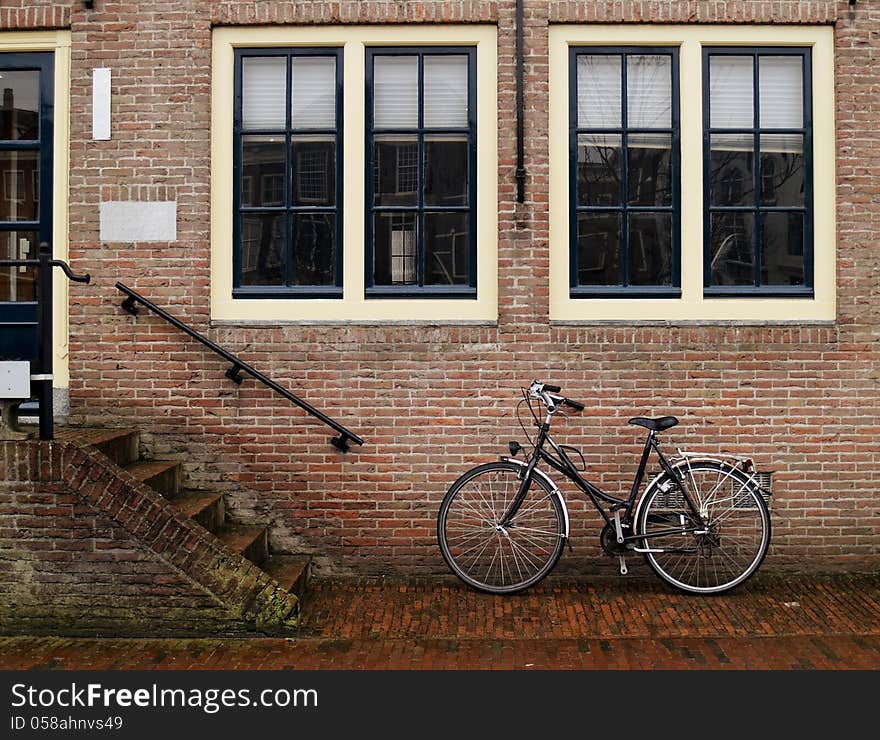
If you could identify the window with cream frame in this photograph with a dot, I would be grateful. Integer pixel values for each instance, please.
(457, 285)
(782, 224)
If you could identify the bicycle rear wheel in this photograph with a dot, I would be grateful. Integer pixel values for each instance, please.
(710, 556)
(487, 556)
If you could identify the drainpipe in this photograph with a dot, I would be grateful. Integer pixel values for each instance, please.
(520, 132)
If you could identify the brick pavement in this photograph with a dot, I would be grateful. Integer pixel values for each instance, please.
(771, 623)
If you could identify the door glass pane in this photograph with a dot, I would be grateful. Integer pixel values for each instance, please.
(732, 249)
(599, 168)
(394, 249)
(732, 170)
(313, 101)
(262, 249)
(446, 91)
(649, 169)
(263, 92)
(649, 91)
(395, 92)
(599, 91)
(782, 249)
(19, 185)
(781, 91)
(396, 170)
(18, 283)
(19, 105)
(446, 249)
(782, 170)
(731, 92)
(446, 170)
(650, 249)
(599, 249)
(314, 250)
(314, 170)
(262, 170)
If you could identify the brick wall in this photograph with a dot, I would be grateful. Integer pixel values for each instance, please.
(430, 400)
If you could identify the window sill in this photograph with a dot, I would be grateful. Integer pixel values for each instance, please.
(749, 291)
(303, 292)
(411, 291)
(614, 291)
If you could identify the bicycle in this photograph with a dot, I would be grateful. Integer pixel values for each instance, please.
(702, 523)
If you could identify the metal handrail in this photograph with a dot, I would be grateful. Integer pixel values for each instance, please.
(239, 366)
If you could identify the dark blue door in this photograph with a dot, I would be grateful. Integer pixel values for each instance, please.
(26, 128)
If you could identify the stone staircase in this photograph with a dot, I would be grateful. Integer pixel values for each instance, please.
(207, 509)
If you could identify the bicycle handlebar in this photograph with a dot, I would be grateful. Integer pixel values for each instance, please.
(548, 391)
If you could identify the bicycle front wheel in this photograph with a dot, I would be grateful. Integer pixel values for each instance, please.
(490, 557)
(714, 551)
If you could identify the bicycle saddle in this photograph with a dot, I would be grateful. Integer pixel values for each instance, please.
(655, 425)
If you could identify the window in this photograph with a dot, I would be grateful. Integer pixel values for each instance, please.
(625, 171)
(288, 173)
(758, 165)
(421, 160)
(692, 173)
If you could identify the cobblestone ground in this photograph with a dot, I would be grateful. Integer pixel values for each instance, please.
(771, 623)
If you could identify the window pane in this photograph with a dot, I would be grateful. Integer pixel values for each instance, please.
(782, 170)
(20, 182)
(649, 91)
(732, 246)
(396, 170)
(446, 91)
(262, 249)
(20, 106)
(599, 86)
(649, 169)
(599, 170)
(263, 92)
(650, 249)
(313, 103)
(599, 248)
(446, 170)
(394, 249)
(395, 92)
(18, 283)
(262, 171)
(314, 170)
(314, 248)
(781, 91)
(731, 92)
(782, 249)
(446, 249)
(731, 170)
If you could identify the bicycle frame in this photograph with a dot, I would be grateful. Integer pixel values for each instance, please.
(563, 464)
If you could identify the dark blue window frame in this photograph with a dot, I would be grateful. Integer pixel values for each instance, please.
(624, 290)
(420, 131)
(757, 208)
(288, 289)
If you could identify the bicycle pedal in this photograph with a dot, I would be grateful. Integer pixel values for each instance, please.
(623, 570)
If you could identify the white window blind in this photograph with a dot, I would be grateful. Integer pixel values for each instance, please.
(649, 91)
(396, 92)
(731, 92)
(599, 91)
(446, 91)
(313, 103)
(263, 92)
(781, 91)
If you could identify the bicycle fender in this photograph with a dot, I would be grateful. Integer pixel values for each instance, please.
(553, 488)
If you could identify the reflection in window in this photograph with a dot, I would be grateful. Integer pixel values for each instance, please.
(288, 139)
(758, 206)
(422, 158)
(625, 155)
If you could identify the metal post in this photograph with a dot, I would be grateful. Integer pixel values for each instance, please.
(43, 377)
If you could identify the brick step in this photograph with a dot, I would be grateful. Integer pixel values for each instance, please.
(163, 476)
(249, 542)
(208, 509)
(291, 571)
(120, 445)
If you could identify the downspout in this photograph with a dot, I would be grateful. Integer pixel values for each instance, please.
(520, 131)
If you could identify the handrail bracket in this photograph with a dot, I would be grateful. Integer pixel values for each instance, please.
(130, 305)
(234, 374)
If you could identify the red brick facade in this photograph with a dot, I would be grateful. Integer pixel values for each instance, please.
(432, 399)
